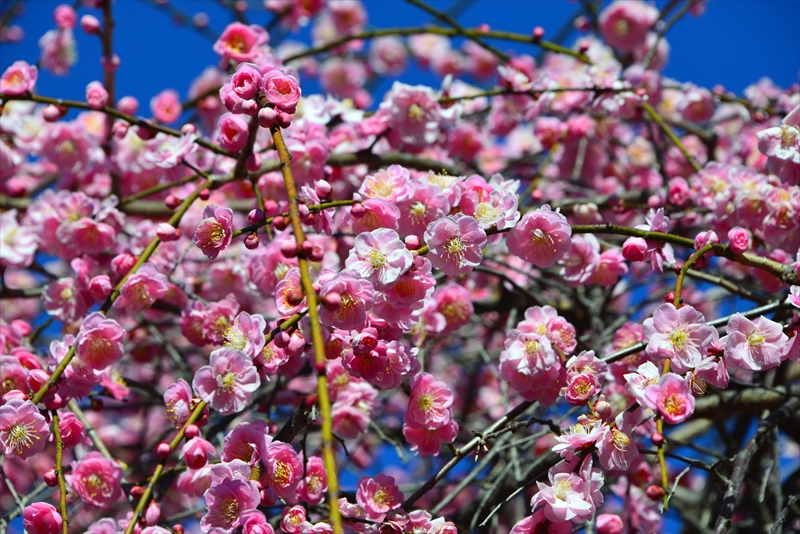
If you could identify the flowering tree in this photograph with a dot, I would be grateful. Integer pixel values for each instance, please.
(491, 306)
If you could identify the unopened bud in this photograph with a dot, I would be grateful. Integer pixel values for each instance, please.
(654, 492)
(51, 478)
(172, 202)
(251, 241)
(192, 431)
(163, 450)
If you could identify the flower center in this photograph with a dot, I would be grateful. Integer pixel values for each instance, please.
(230, 509)
(455, 248)
(486, 213)
(620, 439)
(227, 381)
(347, 308)
(381, 189)
(755, 339)
(679, 339)
(99, 348)
(673, 404)
(415, 112)
(377, 259)
(621, 28)
(283, 473)
(235, 339)
(20, 435)
(562, 489)
(531, 347)
(417, 209)
(96, 485)
(541, 244)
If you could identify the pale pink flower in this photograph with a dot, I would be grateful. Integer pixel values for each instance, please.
(610, 269)
(352, 411)
(99, 341)
(58, 51)
(313, 487)
(390, 185)
(195, 452)
(678, 334)
(246, 334)
(380, 257)
(625, 24)
(232, 132)
(565, 499)
(533, 524)
(178, 400)
(240, 42)
(215, 232)
(739, 240)
(96, 95)
(647, 374)
(426, 205)
(455, 244)
(426, 441)
(697, 105)
(281, 89)
(671, 397)
(578, 437)
(413, 116)
(657, 252)
(616, 448)
(142, 289)
(228, 382)
(23, 430)
(429, 402)
(754, 345)
(387, 55)
(498, 209)
(18, 79)
(96, 480)
(41, 518)
(378, 495)
(781, 144)
(17, 242)
(581, 260)
(357, 297)
(226, 501)
(72, 430)
(166, 106)
(284, 470)
(167, 151)
(376, 214)
(542, 237)
(714, 371)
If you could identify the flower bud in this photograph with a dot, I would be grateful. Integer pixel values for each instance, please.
(270, 208)
(253, 162)
(284, 119)
(100, 287)
(188, 128)
(50, 478)
(267, 117)
(657, 438)
(316, 254)
(251, 241)
(96, 95)
(122, 264)
(306, 247)
(280, 223)
(413, 242)
(163, 450)
(205, 194)
(610, 524)
(289, 249)
(137, 492)
(51, 113)
(654, 492)
(128, 105)
(538, 33)
(120, 130)
(739, 240)
(256, 216)
(166, 232)
(357, 210)
(634, 249)
(323, 189)
(152, 514)
(90, 24)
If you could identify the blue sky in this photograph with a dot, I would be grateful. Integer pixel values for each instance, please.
(735, 43)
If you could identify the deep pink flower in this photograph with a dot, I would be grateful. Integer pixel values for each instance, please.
(657, 252)
(41, 518)
(195, 452)
(246, 81)
(178, 400)
(671, 397)
(357, 297)
(215, 231)
(313, 487)
(565, 499)
(533, 524)
(624, 24)
(616, 448)
(65, 16)
(754, 345)
(378, 495)
(680, 335)
(455, 243)
(226, 501)
(240, 42)
(429, 402)
(542, 237)
(293, 519)
(376, 214)
(228, 382)
(246, 442)
(99, 341)
(96, 480)
(254, 522)
(380, 257)
(96, 95)
(281, 89)
(284, 470)
(739, 240)
(72, 430)
(166, 106)
(142, 289)
(23, 430)
(232, 132)
(426, 441)
(426, 205)
(18, 79)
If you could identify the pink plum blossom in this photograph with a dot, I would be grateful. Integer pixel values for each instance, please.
(58, 51)
(455, 244)
(215, 232)
(96, 95)
(616, 448)
(657, 252)
(284, 470)
(430, 401)
(23, 430)
(624, 24)
(680, 335)
(18, 241)
(281, 89)
(739, 240)
(96, 480)
(542, 237)
(413, 116)
(247, 442)
(178, 400)
(426, 205)
(232, 132)
(142, 289)
(392, 184)
(378, 495)
(313, 486)
(671, 397)
(18, 79)
(99, 341)
(565, 499)
(226, 502)
(195, 452)
(246, 334)
(228, 382)
(380, 257)
(166, 106)
(41, 518)
(239, 42)
(426, 441)
(754, 345)
(357, 297)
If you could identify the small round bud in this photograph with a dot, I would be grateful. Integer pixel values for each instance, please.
(289, 249)
(484, 28)
(256, 216)
(172, 202)
(654, 492)
(192, 431)
(120, 130)
(657, 438)
(323, 189)
(251, 241)
(316, 254)
(602, 409)
(583, 47)
(51, 113)
(282, 340)
(537, 195)
(295, 296)
(55, 402)
(152, 514)
(137, 492)
(280, 223)
(178, 529)
(413, 242)
(253, 162)
(51, 478)
(537, 33)
(163, 450)
(306, 247)
(128, 105)
(110, 63)
(669, 297)
(583, 24)
(270, 208)
(188, 128)
(357, 210)
(332, 301)
(284, 119)
(90, 24)
(267, 117)
(205, 194)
